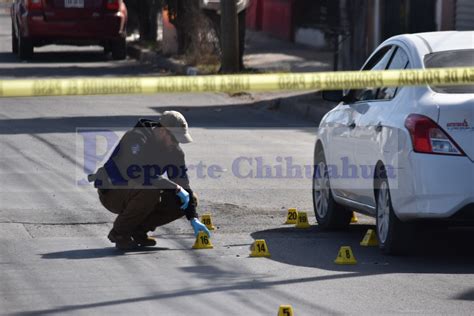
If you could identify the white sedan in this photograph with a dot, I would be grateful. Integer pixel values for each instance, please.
(400, 154)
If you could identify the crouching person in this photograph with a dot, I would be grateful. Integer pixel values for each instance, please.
(145, 182)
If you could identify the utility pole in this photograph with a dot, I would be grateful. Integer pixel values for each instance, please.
(229, 36)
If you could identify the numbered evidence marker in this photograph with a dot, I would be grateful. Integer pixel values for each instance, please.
(345, 256)
(285, 310)
(203, 241)
(259, 249)
(292, 216)
(302, 221)
(354, 218)
(370, 239)
(207, 220)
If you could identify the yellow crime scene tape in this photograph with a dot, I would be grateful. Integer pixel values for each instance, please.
(236, 83)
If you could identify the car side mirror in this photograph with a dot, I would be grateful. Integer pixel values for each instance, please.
(333, 95)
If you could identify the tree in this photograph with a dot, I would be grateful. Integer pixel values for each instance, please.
(215, 18)
(355, 49)
(184, 16)
(229, 37)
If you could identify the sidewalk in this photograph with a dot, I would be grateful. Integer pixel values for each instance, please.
(264, 54)
(268, 54)
(5, 6)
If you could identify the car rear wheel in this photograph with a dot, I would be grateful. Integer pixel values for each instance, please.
(119, 49)
(107, 48)
(329, 214)
(394, 235)
(14, 41)
(25, 48)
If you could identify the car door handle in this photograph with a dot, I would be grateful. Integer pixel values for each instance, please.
(379, 127)
(351, 125)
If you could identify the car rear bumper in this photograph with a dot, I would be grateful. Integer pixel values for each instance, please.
(107, 27)
(435, 187)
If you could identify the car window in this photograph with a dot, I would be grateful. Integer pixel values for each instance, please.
(399, 61)
(378, 62)
(453, 58)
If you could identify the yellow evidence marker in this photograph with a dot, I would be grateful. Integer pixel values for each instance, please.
(370, 239)
(285, 310)
(302, 221)
(207, 220)
(345, 256)
(259, 249)
(354, 218)
(292, 216)
(203, 242)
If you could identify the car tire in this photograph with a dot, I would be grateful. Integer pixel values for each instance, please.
(119, 49)
(394, 236)
(107, 48)
(329, 214)
(25, 48)
(14, 41)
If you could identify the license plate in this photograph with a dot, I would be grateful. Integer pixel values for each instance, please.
(74, 3)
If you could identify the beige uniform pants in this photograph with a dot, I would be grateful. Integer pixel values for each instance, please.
(141, 209)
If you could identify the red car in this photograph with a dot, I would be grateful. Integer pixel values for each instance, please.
(69, 22)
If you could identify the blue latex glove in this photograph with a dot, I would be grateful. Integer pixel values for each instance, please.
(199, 227)
(184, 197)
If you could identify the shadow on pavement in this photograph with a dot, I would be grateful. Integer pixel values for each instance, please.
(208, 272)
(312, 248)
(97, 253)
(71, 64)
(434, 251)
(44, 125)
(237, 285)
(466, 296)
(8, 58)
(254, 115)
(63, 60)
(63, 56)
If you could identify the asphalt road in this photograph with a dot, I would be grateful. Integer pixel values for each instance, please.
(55, 258)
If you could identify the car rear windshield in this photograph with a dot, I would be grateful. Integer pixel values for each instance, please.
(453, 58)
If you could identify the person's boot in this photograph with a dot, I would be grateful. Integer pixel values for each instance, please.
(122, 242)
(143, 240)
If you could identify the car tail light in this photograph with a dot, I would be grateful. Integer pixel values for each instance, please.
(35, 4)
(113, 5)
(429, 138)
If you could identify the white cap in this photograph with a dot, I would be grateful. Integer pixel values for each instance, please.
(175, 122)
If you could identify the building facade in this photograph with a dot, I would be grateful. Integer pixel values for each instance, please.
(354, 28)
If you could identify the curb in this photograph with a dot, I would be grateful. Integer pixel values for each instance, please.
(308, 105)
